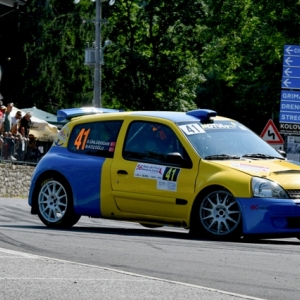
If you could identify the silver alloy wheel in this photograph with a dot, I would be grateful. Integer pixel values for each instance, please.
(53, 201)
(219, 213)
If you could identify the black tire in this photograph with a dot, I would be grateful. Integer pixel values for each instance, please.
(55, 203)
(218, 216)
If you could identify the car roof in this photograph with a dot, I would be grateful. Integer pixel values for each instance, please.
(172, 116)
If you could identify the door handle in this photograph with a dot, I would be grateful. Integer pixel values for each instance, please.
(122, 172)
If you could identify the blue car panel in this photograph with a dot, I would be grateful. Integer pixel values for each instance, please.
(82, 172)
(270, 216)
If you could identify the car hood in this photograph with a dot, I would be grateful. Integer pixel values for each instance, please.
(284, 172)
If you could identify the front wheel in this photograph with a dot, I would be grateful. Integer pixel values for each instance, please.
(55, 204)
(218, 216)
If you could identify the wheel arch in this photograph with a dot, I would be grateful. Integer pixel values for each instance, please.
(46, 175)
(200, 196)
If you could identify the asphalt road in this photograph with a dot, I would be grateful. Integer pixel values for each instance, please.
(125, 260)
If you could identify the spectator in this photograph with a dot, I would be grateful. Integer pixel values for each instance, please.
(7, 131)
(20, 143)
(31, 147)
(15, 121)
(25, 124)
(2, 113)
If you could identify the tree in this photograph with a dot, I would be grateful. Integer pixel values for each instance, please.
(242, 58)
(54, 48)
(151, 66)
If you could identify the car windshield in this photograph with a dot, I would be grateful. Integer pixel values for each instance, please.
(226, 140)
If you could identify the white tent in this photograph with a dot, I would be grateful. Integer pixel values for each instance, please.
(41, 129)
(44, 115)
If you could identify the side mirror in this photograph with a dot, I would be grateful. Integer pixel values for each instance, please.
(175, 158)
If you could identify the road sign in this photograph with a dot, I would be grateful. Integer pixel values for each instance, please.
(291, 61)
(290, 95)
(291, 67)
(288, 72)
(290, 83)
(289, 117)
(291, 50)
(288, 128)
(290, 100)
(271, 134)
(290, 106)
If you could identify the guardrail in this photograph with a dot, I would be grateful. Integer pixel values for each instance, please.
(17, 149)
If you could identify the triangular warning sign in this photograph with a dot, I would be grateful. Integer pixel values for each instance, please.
(271, 134)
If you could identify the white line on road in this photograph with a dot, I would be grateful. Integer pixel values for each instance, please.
(39, 257)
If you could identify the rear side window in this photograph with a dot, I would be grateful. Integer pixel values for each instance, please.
(97, 138)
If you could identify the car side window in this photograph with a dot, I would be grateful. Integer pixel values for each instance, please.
(151, 142)
(96, 138)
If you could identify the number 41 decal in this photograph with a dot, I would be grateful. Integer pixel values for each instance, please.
(189, 129)
(170, 174)
(81, 138)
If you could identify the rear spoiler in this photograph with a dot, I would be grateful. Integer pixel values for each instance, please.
(69, 113)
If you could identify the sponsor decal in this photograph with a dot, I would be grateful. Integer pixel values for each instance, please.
(257, 207)
(252, 168)
(219, 126)
(83, 142)
(149, 171)
(190, 129)
(224, 126)
(196, 128)
(166, 176)
(166, 185)
(62, 137)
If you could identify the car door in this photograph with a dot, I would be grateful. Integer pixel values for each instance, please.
(143, 182)
(91, 148)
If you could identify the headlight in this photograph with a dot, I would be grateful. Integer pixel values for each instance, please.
(264, 188)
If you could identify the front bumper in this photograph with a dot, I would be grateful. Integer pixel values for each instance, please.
(270, 216)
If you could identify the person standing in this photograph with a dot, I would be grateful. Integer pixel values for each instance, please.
(19, 141)
(25, 124)
(2, 113)
(7, 131)
(24, 129)
(15, 121)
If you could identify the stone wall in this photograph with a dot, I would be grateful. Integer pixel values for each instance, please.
(15, 180)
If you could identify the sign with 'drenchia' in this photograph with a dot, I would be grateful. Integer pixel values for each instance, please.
(289, 107)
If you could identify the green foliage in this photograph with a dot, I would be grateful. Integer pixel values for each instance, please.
(150, 67)
(242, 57)
(166, 55)
(55, 54)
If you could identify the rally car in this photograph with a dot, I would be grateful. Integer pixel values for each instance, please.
(195, 170)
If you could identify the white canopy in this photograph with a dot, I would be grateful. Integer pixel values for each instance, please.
(41, 129)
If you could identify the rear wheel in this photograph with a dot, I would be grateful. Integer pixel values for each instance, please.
(218, 216)
(55, 204)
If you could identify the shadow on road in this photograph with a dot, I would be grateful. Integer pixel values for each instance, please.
(161, 233)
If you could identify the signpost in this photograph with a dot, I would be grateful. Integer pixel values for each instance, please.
(289, 115)
(291, 67)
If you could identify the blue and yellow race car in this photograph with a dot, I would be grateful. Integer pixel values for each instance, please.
(194, 170)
